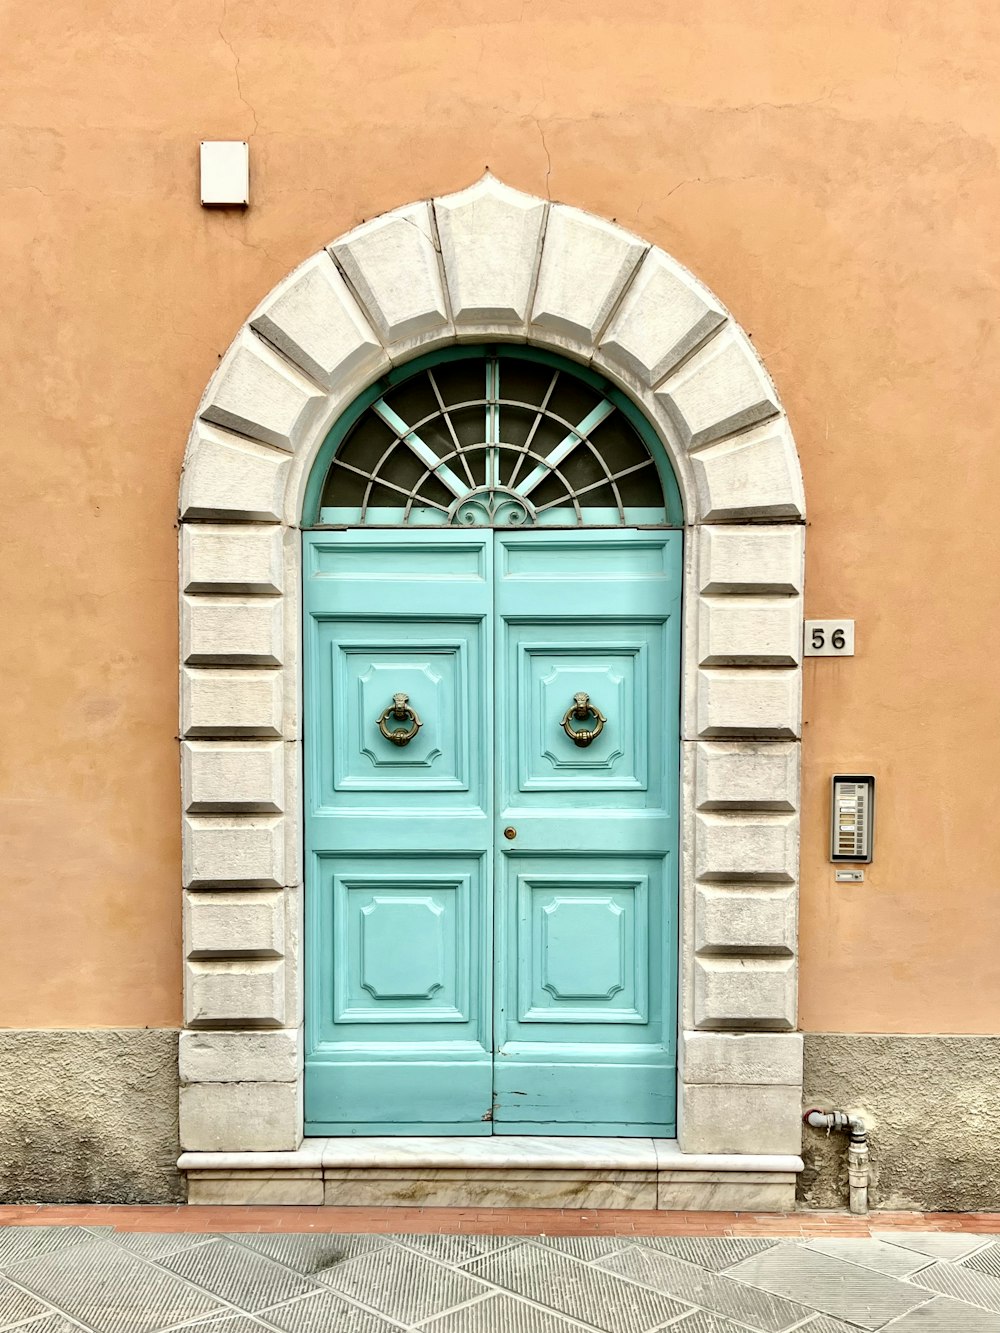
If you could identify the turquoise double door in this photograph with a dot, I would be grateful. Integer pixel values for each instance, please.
(492, 754)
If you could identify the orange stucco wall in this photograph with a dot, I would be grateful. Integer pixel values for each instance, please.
(828, 167)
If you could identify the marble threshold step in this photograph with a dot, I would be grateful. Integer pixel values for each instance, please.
(519, 1171)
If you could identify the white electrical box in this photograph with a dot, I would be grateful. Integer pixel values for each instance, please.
(225, 173)
(852, 822)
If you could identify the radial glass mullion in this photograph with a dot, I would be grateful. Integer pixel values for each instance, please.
(566, 446)
(492, 431)
(539, 418)
(423, 451)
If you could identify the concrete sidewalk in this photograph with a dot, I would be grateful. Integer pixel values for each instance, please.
(148, 1270)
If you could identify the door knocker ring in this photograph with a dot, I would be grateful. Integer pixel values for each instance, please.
(581, 711)
(400, 711)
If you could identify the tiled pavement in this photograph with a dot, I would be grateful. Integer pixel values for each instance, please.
(606, 1272)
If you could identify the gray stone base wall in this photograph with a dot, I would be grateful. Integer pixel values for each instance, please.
(89, 1117)
(932, 1103)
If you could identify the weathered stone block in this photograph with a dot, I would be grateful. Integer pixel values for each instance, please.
(231, 703)
(233, 852)
(232, 924)
(740, 1118)
(744, 921)
(743, 1057)
(232, 559)
(238, 993)
(663, 317)
(744, 993)
(749, 703)
(226, 477)
(316, 322)
(749, 631)
(585, 265)
(751, 560)
(241, 1057)
(720, 390)
(755, 476)
(489, 244)
(747, 847)
(747, 775)
(392, 264)
(231, 631)
(243, 776)
(241, 1117)
(257, 394)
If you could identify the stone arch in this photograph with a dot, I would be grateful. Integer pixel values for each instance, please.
(489, 264)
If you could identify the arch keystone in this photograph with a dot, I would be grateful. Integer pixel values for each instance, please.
(490, 237)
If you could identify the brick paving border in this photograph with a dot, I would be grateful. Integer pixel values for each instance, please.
(486, 1221)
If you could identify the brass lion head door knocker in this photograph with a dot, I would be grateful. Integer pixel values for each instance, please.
(399, 711)
(582, 711)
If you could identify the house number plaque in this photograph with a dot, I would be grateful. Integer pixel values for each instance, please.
(829, 638)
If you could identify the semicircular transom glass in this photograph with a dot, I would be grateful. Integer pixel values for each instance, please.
(501, 439)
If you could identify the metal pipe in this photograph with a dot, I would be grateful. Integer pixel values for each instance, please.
(858, 1157)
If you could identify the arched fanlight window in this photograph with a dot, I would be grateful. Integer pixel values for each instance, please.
(493, 437)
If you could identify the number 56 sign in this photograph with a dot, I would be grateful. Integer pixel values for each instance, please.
(829, 638)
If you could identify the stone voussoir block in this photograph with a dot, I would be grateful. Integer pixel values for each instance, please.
(744, 560)
(258, 394)
(314, 320)
(754, 476)
(741, 1057)
(241, 1117)
(721, 389)
(231, 703)
(244, 992)
(585, 265)
(243, 776)
(744, 993)
(273, 1056)
(226, 477)
(749, 702)
(234, 924)
(490, 236)
(746, 775)
(232, 559)
(740, 1118)
(746, 847)
(749, 631)
(231, 631)
(392, 264)
(665, 315)
(743, 921)
(233, 852)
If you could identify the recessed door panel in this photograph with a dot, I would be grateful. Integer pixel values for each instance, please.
(611, 665)
(581, 946)
(435, 670)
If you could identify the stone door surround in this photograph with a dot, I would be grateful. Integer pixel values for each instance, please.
(489, 264)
